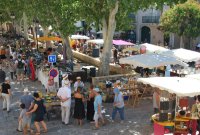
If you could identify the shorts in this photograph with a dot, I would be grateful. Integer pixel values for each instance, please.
(20, 71)
(26, 123)
(97, 116)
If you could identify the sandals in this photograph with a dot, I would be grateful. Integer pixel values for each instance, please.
(45, 131)
(18, 130)
(95, 128)
(37, 133)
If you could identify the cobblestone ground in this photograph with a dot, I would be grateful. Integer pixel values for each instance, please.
(137, 119)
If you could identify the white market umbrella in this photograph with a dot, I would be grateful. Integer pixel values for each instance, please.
(177, 85)
(194, 76)
(150, 48)
(183, 54)
(79, 37)
(150, 61)
(96, 41)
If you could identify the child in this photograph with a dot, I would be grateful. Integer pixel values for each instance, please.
(24, 119)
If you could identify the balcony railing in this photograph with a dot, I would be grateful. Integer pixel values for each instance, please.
(150, 19)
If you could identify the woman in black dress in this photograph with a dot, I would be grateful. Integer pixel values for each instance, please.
(90, 105)
(79, 110)
(39, 111)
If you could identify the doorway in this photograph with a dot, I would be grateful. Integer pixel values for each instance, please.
(145, 34)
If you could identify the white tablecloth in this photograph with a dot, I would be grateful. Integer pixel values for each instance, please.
(43, 78)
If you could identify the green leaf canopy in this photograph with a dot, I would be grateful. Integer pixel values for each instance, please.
(182, 19)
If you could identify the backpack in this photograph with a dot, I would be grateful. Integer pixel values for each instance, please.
(20, 64)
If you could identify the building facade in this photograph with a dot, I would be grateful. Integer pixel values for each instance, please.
(146, 27)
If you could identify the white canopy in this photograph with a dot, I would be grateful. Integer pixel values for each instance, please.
(194, 76)
(79, 37)
(150, 48)
(180, 86)
(183, 54)
(96, 41)
(150, 60)
(115, 42)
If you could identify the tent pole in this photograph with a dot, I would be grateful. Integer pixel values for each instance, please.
(176, 106)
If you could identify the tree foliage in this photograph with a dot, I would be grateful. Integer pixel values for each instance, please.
(112, 13)
(62, 14)
(15, 7)
(182, 19)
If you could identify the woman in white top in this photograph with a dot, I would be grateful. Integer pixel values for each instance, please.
(65, 79)
(78, 83)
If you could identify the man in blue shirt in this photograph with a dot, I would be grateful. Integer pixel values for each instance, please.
(97, 108)
(118, 105)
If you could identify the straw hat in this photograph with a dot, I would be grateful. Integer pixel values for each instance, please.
(64, 76)
(78, 78)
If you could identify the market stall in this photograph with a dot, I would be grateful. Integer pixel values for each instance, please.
(132, 91)
(149, 48)
(150, 60)
(122, 43)
(194, 76)
(79, 37)
(183, 54)
(46, 38)
(183, 87)
(52, 104)
(96, 41)
(188, 56)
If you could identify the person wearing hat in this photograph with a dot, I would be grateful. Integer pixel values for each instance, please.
(118, 105)
(6, 94)
(97, 108)
(65, 79)
(28, 101)
(118, 83)
(64, 94)
(78, 83)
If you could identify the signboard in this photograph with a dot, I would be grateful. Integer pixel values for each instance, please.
(53, 72)
(52, 58)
